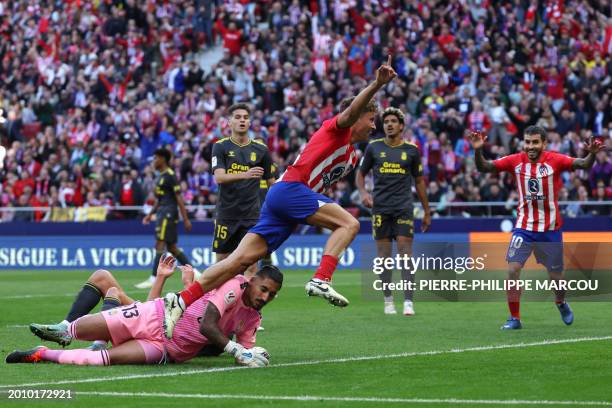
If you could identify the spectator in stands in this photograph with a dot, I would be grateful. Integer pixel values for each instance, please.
(79, 76)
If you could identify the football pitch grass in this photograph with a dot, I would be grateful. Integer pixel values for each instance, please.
(449, 354)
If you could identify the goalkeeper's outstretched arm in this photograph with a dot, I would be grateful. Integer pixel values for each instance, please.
(209, 326)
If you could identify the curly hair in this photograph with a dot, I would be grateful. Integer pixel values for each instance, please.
(395, 112)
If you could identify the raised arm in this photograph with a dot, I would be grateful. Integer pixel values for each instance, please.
(165, 269)
(350, 115)
(483, 165)
(593, 146)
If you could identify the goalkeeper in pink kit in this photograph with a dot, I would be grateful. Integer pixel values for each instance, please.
(136, 331)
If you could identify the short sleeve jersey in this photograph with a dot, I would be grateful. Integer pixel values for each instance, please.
(240, 200)
(538, 186)
(395, 169)
(327, 157)
(166, 188)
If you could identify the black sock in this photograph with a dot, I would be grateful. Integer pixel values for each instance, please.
(407, 276)
(85, 301)
(110, 303)
(158, 256)
(182, 258)
(386, 277)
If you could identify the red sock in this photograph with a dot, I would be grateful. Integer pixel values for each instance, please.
(192, 293)
(514, 304)
(515, 309)
(326, 267)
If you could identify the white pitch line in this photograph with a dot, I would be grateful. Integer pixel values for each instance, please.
(315, 362)
(73, 294)
(316, 398)
(49, 295)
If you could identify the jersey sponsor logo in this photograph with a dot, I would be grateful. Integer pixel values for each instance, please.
(230, 297)
(393, 168)
(333, 176)
(231, 153)
(404, 156)
(533, 186)
(236, 168)
(253, 156)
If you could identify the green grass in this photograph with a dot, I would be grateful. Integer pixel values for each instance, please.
(302, 329)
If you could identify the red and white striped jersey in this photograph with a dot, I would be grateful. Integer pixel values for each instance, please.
(538, 186)
(327, 157)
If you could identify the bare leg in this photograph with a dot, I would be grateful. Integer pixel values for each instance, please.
(383, 250)
(344, 226)
(404, 247)
(130, 352)
(178, 254)
(104, 280)
(250, 271)
(559, 294)
(251, 249)
(219, 257)
(90, 327)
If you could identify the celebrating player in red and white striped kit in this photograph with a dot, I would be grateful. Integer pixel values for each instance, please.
(537, 174)
(296, 199)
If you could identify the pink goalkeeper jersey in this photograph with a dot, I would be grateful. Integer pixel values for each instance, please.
(538, 186)
(236, 318)
(327, 157)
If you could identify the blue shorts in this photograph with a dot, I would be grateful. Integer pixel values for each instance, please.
(547, 247)
(287, 205)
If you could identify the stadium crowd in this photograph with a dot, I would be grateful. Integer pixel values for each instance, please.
(91, 89)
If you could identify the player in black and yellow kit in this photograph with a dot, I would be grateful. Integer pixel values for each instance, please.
(239, 166)
(396, 165)
(168, 195)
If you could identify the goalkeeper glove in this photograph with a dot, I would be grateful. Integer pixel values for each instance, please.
(257, 357)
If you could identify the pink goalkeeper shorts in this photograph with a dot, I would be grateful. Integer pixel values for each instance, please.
(142, 322)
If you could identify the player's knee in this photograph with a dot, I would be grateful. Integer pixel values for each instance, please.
(246, 260)
(514, 271)
(100, 277)
(112, 292)
(353, 226)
